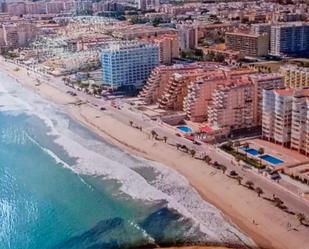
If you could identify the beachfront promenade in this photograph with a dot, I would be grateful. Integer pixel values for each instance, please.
(226, 194)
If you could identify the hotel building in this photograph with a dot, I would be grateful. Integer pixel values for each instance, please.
(128, 63)
(289, 38)
(286, 118)
(295, 76)
(248, 44)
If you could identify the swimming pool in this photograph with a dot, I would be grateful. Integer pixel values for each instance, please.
(251, 151)
(271, 159)
(184, 129)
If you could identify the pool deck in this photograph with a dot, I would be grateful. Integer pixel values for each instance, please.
(289, 157)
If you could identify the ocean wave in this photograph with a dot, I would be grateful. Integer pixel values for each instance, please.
(98, 158)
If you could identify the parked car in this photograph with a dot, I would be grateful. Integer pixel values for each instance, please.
(275, 176)
(196, 143)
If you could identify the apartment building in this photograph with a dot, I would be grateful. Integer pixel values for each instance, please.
(232, 106)
(289, 38)
(198, 89)
(138, 31)
(263, 81)
(300, 122)
(165, 82)
(286, 118)
(160, 77)
(168, 45)
(187, 36)
(280, 107)
(16, 35)
(200, 92)
(261, 28)
(248, 44)
(295, 76)
(128, 63)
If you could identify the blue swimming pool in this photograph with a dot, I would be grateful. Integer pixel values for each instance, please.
(251, 151)
(184, 129)
(271, 159)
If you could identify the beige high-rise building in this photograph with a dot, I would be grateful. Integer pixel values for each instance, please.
(248, 44)
(18, 34)
(232, 106)
(295, 76)
(169, 47)
(286, 118)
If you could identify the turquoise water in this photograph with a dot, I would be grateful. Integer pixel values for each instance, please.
(271, 159)
(251, 151)
(45, 205)
(62, 187)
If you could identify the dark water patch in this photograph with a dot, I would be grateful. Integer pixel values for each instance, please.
(110, 233)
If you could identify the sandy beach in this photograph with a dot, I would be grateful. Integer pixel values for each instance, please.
(239, 204)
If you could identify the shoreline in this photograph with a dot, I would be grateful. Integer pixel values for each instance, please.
(236, 203)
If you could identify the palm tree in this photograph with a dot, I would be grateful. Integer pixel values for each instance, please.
(261, 152)
(165, 139)
(259, 191)
(278, 201)
(301, 218)
(249, 184)
(185, 148)
(239, 179)
(246, 146)
(223, 168)
(207, 159)
(154, 134)
(236, 145)
(192, 152)
(131, 123)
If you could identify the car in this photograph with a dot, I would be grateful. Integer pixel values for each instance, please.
(73, 94)
(196, 143)
(102, 108)
(233, 173)
(275, 176)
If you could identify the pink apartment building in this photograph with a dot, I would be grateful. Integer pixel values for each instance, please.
(225, 98)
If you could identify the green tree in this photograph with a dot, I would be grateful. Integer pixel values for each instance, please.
(165, 139)
(249, 184)
(223, 168)
(259, 191)
(239, 179)
(207, 159)
(192, 152)
(301, 218)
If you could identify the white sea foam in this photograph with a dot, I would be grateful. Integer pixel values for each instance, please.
(100, 159)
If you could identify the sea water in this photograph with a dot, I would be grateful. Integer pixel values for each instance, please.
(63, 187)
